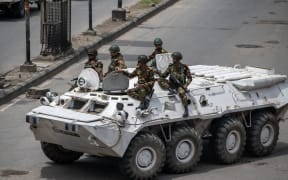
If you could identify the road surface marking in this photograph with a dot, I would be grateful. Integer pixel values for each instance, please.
(9, 105)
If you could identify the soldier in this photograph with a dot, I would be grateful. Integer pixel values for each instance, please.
(145, 82)
(180, 78)
(158, 50)
(94, 63)
(117, 61)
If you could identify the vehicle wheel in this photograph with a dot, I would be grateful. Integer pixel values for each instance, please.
(17, 10)
(228, 141)
(144, 157)
(184, 150)
(263, 134)
(58, 154)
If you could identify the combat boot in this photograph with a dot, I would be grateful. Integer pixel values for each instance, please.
(141, 106)
(146, 102)
(186, 112)
(171, 91)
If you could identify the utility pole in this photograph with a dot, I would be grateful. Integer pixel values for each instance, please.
(90, 30)
(119, 3)
(28, 66)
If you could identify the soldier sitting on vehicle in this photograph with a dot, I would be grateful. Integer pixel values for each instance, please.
(144, 87)
(117, 61)
(94, 63)
(158, 50)
(179, 79)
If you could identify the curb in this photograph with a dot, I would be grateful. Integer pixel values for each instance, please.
(37, 78)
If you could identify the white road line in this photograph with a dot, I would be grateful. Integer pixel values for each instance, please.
(9, 105)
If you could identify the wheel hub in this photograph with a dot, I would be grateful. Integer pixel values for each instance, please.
(267, 135)
(145, 158)
(185, 150)
(233, 141)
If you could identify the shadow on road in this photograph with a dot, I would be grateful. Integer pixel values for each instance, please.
(209, 164)
(4, 17)
(86, 168)
(107, 169)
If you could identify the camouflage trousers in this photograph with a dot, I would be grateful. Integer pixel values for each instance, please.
(165, 84)
(139, 92)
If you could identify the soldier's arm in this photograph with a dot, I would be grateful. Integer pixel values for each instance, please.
(130, 75)
(99, 69)
(151, 78)
(153, 64)
(188, 76)
(121, 62)
(166, 73)
(163, 51)
(152, 56)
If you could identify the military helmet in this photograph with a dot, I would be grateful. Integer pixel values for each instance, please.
(92, 52)
(176, 55)
(114, 48)
(158, 41)
(142, 59)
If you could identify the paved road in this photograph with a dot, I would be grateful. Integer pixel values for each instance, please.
(207, 32)
(12, 31)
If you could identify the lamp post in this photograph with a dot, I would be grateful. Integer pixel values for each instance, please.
(90, 30)
(28, 66)
(119, 3)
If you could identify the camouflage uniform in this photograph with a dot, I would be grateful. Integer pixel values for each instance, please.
(180, 72)
(145, 82)
(117, 62)
(153, 55)
(94, 63)
(98, 67)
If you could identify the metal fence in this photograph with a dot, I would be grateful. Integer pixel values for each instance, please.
(55, 26)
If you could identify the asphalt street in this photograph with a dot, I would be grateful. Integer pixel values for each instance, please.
(12, 31)
(206, 32)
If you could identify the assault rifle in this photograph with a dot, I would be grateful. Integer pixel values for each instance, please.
(176, 82)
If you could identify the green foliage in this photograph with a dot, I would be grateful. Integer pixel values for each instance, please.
(149, 3)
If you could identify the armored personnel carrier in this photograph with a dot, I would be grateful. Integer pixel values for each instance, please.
(235, 108)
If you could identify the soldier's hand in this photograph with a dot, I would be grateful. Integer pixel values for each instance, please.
(185, 87)
(156, 71)
(140, 86)
(119, 70)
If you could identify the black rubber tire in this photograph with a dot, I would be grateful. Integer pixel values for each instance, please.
(145, 141)
(188, 136)
(58, 154)
(254, 145)
(221, 129)
(17, 10)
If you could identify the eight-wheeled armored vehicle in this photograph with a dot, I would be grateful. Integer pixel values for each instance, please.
(235, 108)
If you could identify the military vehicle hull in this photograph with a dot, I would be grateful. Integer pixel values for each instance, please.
(235, 108)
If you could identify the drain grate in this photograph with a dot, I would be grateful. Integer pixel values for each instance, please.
(248, 46)
(272, 42)
(276, 22)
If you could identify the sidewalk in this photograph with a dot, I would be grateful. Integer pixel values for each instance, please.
(15, 82)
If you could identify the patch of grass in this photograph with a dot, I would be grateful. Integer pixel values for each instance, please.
(148, 3)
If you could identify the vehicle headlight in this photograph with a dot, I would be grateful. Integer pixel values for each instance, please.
(121, 115)
(32, 120)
